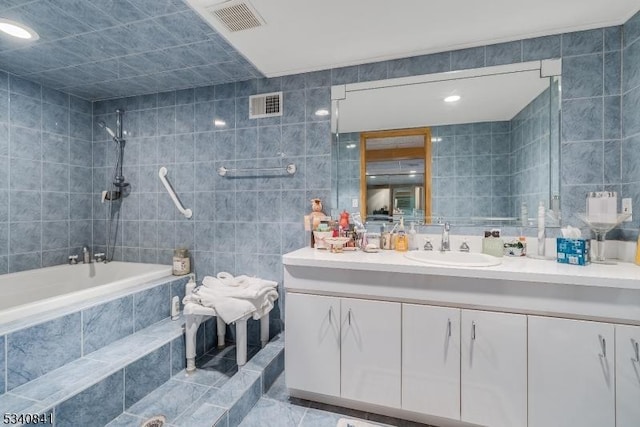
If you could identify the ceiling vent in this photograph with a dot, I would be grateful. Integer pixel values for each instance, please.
(237, 15)
(265, 105)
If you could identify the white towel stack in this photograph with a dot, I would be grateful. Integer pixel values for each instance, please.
(235, 297)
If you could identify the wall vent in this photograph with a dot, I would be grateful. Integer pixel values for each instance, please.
(265, 105)
(237, 15)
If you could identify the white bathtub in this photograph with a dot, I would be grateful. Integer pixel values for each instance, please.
(32, 292)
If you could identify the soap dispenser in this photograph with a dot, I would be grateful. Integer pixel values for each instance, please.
(402, 241)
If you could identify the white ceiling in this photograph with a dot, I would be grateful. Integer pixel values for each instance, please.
(302, 36)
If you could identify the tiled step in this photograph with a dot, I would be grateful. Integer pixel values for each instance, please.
(92, 390)
(217, 394)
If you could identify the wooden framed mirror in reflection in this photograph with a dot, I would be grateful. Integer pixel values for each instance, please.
(395, 175)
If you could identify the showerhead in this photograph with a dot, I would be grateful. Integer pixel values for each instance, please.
(105, 127)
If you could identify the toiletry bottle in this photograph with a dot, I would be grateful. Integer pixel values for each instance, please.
(638, 250)
(492, 244)
(541, 235)
(402, 240)
(190, 286)
(175, 308)
(413, 238)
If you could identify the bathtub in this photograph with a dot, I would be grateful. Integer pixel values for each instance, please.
(30, 293)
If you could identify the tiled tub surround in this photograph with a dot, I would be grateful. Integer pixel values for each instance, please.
(45, 175)
(33, 350)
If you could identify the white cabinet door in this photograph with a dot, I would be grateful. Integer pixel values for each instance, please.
(571, 373)
(431, 360)
(312, 343)
(494, 369)
(627, 376)
(371, 351)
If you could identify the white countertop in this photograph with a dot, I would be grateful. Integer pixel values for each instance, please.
(622, 275)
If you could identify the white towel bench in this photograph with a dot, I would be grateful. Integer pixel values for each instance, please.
(195, 314)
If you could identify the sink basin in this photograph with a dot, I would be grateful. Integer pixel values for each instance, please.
(454, 259)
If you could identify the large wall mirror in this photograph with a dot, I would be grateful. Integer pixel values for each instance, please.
(478, 146)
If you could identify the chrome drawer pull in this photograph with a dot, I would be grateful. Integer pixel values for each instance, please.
(473, 331)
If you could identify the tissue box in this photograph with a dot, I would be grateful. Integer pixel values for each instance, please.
(573, 251)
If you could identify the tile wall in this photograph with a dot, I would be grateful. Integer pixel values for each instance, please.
(530, 146)
(591, 119)
(630, 146)
(45, 175)
(471, 170)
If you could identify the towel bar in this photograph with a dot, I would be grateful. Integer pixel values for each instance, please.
(290, 169)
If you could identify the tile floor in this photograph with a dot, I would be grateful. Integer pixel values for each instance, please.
(277, 409)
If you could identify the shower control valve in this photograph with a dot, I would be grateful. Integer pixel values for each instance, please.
(99, 257)
(73, 259)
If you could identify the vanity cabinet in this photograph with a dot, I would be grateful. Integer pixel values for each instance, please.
(627, 376)
(371, 351)
(312, 335)
(571, 373)
(494, 368)
(344, 347)
(431, 360)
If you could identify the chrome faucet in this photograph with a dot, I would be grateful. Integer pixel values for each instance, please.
(86, 255)
(445, 244)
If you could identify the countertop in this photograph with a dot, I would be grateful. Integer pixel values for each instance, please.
(622, 275)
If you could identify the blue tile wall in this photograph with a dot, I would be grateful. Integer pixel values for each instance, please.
(236, 221)
(630, 144)
(530, 142)
(45, 166)
(471, 170)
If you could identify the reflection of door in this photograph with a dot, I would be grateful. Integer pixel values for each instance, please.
(399, 161)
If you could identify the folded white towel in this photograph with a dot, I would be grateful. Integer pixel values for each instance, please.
(230, 307)
(238, 287)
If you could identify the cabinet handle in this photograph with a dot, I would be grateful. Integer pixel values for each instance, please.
(473, 331)
(349, 316)
(603, 345)
(449, 327)
(330, 314)
(637, 349)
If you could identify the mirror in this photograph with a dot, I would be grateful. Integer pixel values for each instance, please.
(396, 183)
(493, 153)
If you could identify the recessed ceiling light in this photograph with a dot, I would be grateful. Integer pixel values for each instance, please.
(219, 123)
(452, 98)
(17, 30)
(322, 112)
